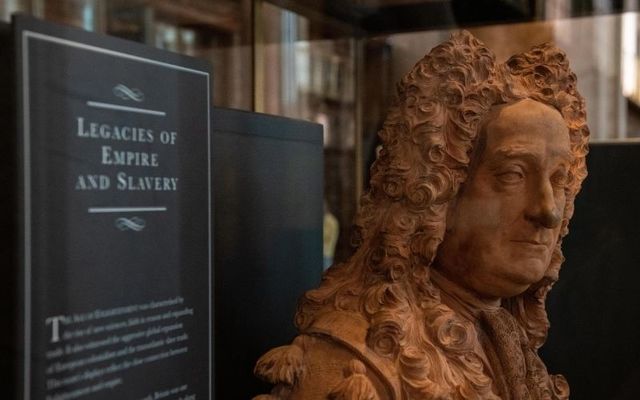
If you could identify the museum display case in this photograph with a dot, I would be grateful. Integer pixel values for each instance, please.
(336, 63)
(319, 60)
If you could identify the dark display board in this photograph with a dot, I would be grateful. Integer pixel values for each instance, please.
(268, 250)
(114, 193)
(594, 308)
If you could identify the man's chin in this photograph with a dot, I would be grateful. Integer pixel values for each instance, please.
(528, 273)
(499, 287)
(511, 289)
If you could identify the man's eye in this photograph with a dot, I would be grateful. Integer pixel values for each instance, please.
(559, 179)
(510, 177)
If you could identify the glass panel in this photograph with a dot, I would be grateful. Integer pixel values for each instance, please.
(311, 78)
(603, 52)
(8, 7)
(219, 31)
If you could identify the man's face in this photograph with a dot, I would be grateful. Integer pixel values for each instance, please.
(504, 225)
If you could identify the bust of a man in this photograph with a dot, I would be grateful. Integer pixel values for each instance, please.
(458, 240)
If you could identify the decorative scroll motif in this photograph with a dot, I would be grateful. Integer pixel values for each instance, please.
(421, 346)
(130, 224)
(125, 93)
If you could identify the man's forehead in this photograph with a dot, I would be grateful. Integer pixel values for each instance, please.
(526, 129)
(524, 113)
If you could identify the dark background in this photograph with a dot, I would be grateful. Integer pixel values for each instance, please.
(594, 309)
(268, 242)
(9, 309)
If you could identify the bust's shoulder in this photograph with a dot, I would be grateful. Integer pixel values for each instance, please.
(330, 359)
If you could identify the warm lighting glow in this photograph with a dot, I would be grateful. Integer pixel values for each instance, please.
(629, 54)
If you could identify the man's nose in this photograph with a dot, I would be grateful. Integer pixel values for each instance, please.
(542, 209)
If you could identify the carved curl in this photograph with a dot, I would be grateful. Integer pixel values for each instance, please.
(281, 365)
(428, 141)
(355, 386)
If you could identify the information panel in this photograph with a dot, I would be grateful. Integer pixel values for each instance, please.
(115, 221)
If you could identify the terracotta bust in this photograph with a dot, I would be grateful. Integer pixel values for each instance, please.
(458, 240)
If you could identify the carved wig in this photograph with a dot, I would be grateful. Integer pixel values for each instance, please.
(428, 141)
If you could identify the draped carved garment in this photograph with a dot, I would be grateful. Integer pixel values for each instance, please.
(517, 371)
(331, 360)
